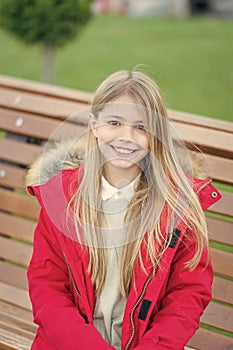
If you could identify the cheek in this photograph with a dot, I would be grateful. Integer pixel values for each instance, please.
(144, 141)
(103, 135)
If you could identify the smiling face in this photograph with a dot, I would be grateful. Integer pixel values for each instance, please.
(122, 137)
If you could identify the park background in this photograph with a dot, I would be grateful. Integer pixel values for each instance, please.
(190, 55)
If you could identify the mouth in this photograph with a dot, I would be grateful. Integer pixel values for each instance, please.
(123, 151)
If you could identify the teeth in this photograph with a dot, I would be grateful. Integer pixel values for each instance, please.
(123, 150)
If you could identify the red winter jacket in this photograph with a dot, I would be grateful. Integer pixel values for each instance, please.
(162, 312)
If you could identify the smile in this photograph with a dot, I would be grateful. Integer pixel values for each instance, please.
(123, 151)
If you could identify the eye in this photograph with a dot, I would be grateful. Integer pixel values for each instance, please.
(140, 127)
(114, 123)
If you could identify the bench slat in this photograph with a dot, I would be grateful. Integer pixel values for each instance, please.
(19, 204)
(16, 311)
(21, 326)
(222, 290)
(219, 230)
(222, 262)
(194, 119)
(11, 341)
(40, 127)
(15, 251)
(14, 176)
(15, 296)
(37, 104)
(18, 152)
(207, 340)
(217, 142)
(7, 326)
(219, 316)
(220, 169)
(13, 275)
(17, 227)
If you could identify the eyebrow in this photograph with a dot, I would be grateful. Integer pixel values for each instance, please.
(113, 115)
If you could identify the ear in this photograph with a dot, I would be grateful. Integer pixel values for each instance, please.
(93, 125)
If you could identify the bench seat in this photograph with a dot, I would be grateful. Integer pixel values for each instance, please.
(32, 113)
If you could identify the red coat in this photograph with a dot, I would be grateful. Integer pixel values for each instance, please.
(162, 312)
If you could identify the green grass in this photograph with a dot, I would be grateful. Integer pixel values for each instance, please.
(190, 58)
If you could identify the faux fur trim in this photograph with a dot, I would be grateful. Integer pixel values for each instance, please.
(67, 155)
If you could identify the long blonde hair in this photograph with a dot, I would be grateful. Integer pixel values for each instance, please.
(162, 181)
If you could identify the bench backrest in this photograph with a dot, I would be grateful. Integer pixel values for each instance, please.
(29, 114)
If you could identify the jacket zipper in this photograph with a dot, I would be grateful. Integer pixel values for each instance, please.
(137, 303)
(71, 275)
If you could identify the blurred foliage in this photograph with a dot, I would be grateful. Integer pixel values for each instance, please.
(51, 21)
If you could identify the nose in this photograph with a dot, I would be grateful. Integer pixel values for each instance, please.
(127, 132)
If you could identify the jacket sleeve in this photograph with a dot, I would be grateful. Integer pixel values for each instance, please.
(53, 306)
(187, 295)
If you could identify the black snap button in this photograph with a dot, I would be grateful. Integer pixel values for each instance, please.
(214, 194)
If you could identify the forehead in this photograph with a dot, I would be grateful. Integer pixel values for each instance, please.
(123, 108)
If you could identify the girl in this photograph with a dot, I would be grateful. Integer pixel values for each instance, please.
(120, 256)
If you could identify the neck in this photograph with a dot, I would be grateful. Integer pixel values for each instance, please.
(120, 178)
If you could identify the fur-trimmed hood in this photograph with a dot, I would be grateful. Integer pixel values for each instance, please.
(70, 154)
(54, 159)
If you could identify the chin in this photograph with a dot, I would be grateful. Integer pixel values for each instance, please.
(123, 164)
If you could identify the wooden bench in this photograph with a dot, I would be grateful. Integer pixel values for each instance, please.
(30, 113)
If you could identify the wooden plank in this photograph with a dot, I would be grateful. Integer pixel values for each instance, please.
(194, 119)
(222, 262)
(220, 231)
(16, 330)
(40, 88)
(19, 325)
(15, 296)
(15, 251)
(39, 126)
(33, 103)
(204, 339)
(11, 341)
(17, 203)
(215, 141)
(225, 205)
(12, 176)
(13, 275)
(18, 152)
(220, 169)
(222, 290)
(219, 316)
(16, 311)
(17, 227)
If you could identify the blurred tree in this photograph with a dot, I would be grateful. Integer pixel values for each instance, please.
(50, 22)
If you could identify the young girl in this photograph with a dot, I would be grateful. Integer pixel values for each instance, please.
(120, 256)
